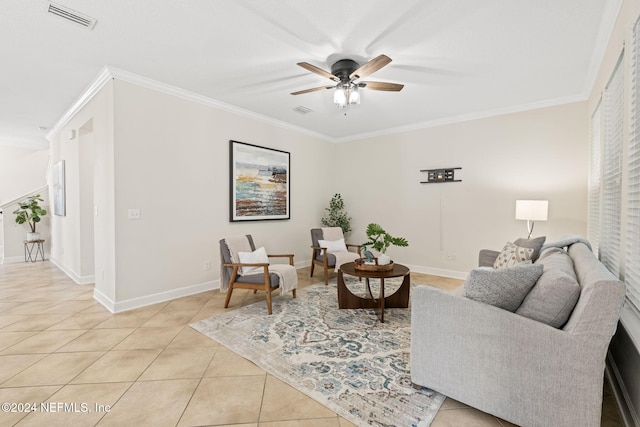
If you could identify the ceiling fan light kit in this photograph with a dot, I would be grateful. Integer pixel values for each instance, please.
(346, 72)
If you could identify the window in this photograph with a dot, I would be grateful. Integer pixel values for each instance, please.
(594, 181)
(632, 260)
(609, 245)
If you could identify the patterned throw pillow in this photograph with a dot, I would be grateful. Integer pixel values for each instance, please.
(512, 254)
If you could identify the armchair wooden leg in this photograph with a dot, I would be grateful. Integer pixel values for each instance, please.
(269, 301)
(294, 293)
(313, 264)
(326, 275)
(226, 302)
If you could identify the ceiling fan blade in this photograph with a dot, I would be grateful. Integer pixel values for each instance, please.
(300, 92)
(370, 67)
(392, 87)
(318, 71)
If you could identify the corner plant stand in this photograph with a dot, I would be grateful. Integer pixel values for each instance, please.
(33, 245)
(399, 299)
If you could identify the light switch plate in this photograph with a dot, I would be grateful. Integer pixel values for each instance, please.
(133, 214)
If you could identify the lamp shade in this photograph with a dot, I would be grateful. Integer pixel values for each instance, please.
(532, 210)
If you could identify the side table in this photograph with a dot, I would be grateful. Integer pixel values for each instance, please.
(33, 248)
(399, 299)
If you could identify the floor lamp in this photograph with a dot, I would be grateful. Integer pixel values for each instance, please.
(532, 210)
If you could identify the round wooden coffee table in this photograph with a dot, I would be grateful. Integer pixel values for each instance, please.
(399, 299)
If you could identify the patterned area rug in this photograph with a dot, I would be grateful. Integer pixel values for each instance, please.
(345, 359)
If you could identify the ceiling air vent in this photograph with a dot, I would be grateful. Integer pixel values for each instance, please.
(302, 109)
(71, 15)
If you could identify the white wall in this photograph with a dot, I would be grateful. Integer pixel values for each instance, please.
(537, 154)
(22, 171)
(73, 234)
(172, 162)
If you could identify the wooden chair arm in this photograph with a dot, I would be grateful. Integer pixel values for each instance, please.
(290, 256)
(237, 264)
(358, 247)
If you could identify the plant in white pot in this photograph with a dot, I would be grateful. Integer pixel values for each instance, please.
(30, 212)
(380, 240)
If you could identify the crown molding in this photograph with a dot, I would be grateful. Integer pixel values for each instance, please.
(98, 83)
(466, 117)
(109, 73)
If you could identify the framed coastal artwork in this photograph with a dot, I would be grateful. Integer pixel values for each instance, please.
(260, 180)
(59, 197)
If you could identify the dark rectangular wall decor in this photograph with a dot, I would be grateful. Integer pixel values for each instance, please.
(440, 175)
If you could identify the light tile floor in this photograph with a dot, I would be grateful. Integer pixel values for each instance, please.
(147, 367)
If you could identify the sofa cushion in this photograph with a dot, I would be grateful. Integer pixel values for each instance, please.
(557, 259)
(556, 293)
(552, 299)
(504, 287)
(535, 244)
(513, 254)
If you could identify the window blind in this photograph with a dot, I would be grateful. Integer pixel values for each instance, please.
(632, 260)
(613, 108)
(595, 170)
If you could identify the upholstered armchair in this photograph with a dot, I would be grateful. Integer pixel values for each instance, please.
(330, 250)
(242, 266)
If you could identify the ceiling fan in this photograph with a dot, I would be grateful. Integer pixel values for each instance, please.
(347, 73)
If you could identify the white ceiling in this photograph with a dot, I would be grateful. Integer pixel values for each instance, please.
(457, 59)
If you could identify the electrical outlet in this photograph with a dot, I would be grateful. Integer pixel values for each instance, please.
(454, 257)
(207, 265)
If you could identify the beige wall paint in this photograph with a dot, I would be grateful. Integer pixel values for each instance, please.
(80, 234)
(537, 154)
(22, 171)
(172, 163)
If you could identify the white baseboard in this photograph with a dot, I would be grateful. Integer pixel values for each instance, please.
(453, 274)
(133, 303)
(80, 280)
(12, 259)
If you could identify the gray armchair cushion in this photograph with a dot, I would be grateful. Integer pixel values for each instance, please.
(504, 288)
(316, 234)
(487, 257)
(259, 278)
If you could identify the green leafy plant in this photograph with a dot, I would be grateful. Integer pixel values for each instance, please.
(337, 216)
(30, 211)
(380, 240)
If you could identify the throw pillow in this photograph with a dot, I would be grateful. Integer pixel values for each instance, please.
(505, 287)
(333, 245)
(535, 243)
(552, 299)
(513, 254)
(259, 256)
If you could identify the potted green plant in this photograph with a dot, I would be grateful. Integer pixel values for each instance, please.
(30, 212)
(337, 216)
(380, 240)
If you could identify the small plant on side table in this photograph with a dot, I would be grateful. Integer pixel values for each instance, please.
(31, 213)
(380, 240)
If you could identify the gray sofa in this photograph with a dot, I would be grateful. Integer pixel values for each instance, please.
(516, 368)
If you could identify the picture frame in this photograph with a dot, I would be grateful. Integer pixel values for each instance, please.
(259, 183)
(59, 192)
